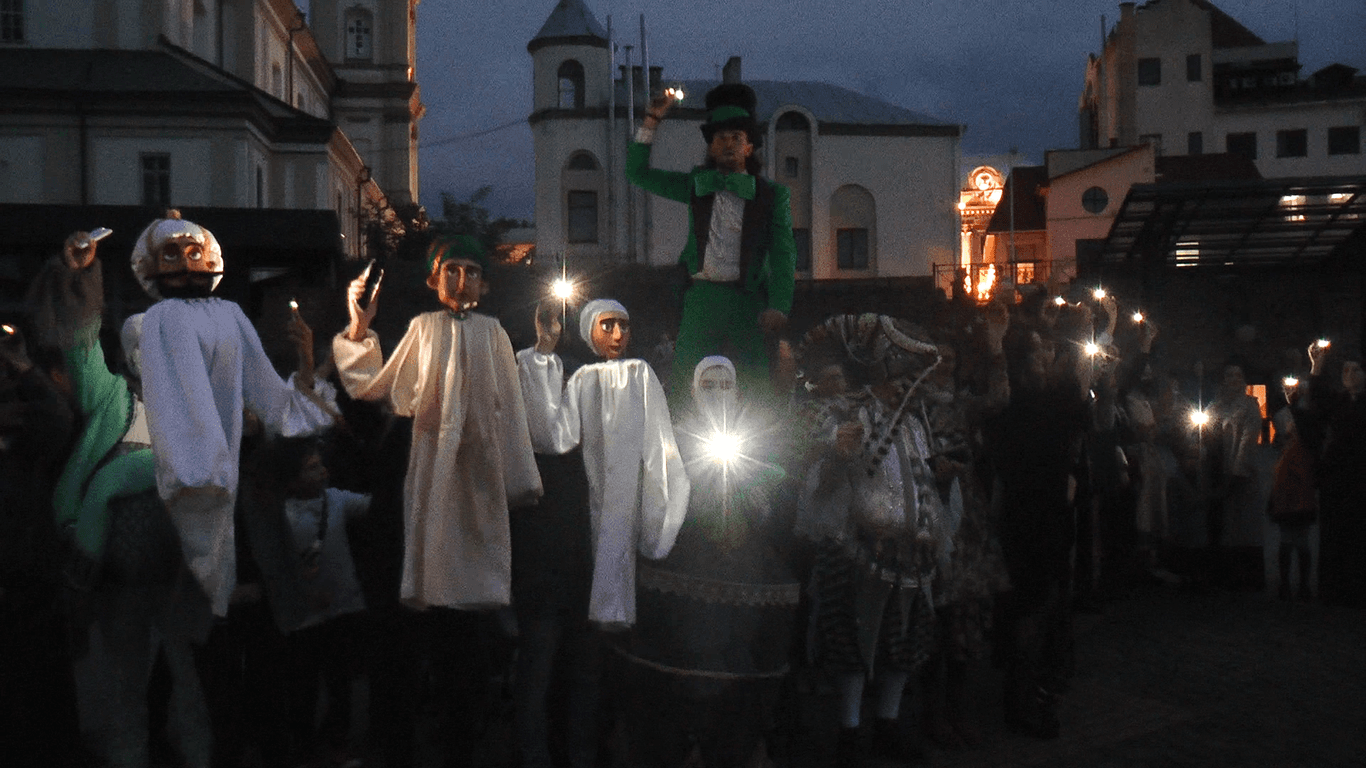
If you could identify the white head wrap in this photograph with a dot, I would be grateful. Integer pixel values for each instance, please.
(717, 402)
(131, 337)
(157, 234)
(588, 317)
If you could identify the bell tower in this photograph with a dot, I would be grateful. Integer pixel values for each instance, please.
(372, 46)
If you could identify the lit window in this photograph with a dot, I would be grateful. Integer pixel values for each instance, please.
(1293, 202)
(1344, 140)
(583, 216)
(1024, 272)
(360, 34)
(1150, 71)
(852, 246)
(1292, 143)
(1187, 254)
(11, 21)
(571, 85)
(156, 179)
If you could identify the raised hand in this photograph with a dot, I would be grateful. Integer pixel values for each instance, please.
(548, 327)
(79, 250)
(301, 336)
(362, 316)
(998, 322)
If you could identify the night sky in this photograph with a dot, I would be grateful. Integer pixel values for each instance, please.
(1010, 71)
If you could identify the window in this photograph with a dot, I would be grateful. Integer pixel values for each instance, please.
(571, 85)
(582, 161)
(11, 21)
(792, 121)
(852, 247)
(1195, 143)
(360, 34)
(277, 81)
(803, 238)
(1244, 144)
(583, 216)
(1344, 140)
(791, 166)
(1154, 139)
(1193, 74)
(1292, 143)
(1094, 199)
(1150, 71)
(156, 179)
(260, 187)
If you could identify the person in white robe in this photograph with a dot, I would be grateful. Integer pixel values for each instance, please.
(638, 487)
(471, 461)
(202, 364)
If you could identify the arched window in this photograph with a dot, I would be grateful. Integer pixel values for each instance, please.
(793, 121)
(853, 221)
(585, 190)
(571, 85)
(360, 34)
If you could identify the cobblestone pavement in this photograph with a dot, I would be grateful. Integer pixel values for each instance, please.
(1172, 678)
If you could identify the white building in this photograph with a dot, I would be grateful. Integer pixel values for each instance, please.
(874, 186)
(1190, 79)
(210, 104)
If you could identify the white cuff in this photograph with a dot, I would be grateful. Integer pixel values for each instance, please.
(645, 134)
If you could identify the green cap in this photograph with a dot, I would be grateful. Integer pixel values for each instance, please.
(727, 112)
(447, 247)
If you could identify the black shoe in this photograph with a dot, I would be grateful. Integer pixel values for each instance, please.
(849, 749)
(890, 741)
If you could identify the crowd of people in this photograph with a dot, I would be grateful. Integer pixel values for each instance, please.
(201, 558)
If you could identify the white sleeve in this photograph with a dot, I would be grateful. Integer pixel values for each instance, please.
(366, 376)
(552, 412)
(350, 505)
(284, 410)
(664, 482)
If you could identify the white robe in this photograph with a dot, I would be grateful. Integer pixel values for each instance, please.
(637, 485)
(202, 363)
(471, 458)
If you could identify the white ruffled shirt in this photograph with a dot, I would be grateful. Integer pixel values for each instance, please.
(637, 485)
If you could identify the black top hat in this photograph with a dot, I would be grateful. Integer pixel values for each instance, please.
(731, 106)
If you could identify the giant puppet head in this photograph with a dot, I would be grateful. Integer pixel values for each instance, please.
(605, 327)
(457, 268)
(177, 259)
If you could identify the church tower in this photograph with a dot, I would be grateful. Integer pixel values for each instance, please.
(571, 93)
(372, 45)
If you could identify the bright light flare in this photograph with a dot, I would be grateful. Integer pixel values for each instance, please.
(1323, 343)
(562, 289)
(1199, 418)
(1092, 348)
(9, 329)
(293, 305)
(1137, 316)
(1290, 381)
(674, 93)
(723, 447)
(1060, 301)
(1099, 293)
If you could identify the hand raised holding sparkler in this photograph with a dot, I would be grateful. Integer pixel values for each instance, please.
(355, 293)
(998, 322)
(548, 327)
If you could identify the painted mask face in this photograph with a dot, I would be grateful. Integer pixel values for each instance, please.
(715, 392)
(184, 267)
(730, 149)
(459, 283)
(611, 335)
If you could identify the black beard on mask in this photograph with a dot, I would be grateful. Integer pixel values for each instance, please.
(198, 286)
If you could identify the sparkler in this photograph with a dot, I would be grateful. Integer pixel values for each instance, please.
(1138, 317)
(562, 289)
(1060, 301)
(1290, 381)
(1199, 418)
(1099, 293)
(1092, 348)
(1323, 343)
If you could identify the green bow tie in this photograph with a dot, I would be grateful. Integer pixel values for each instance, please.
(712, 181)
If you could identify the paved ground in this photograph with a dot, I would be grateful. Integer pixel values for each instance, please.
(1172, 678)
(1166, 678)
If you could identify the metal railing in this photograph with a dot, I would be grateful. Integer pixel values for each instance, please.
(986, 279)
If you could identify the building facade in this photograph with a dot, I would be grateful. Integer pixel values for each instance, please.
(211, 104)
(874, 186)
(1189, 79)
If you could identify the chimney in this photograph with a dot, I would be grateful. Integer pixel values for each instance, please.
(731, 72)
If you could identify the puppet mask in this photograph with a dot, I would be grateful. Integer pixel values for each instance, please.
(459, 283)
(714, 389)
(174, 258)
(611, 334)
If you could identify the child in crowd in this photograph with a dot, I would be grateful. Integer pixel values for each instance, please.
(323, 648)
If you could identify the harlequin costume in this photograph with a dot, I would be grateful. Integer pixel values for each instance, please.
(740, 256)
